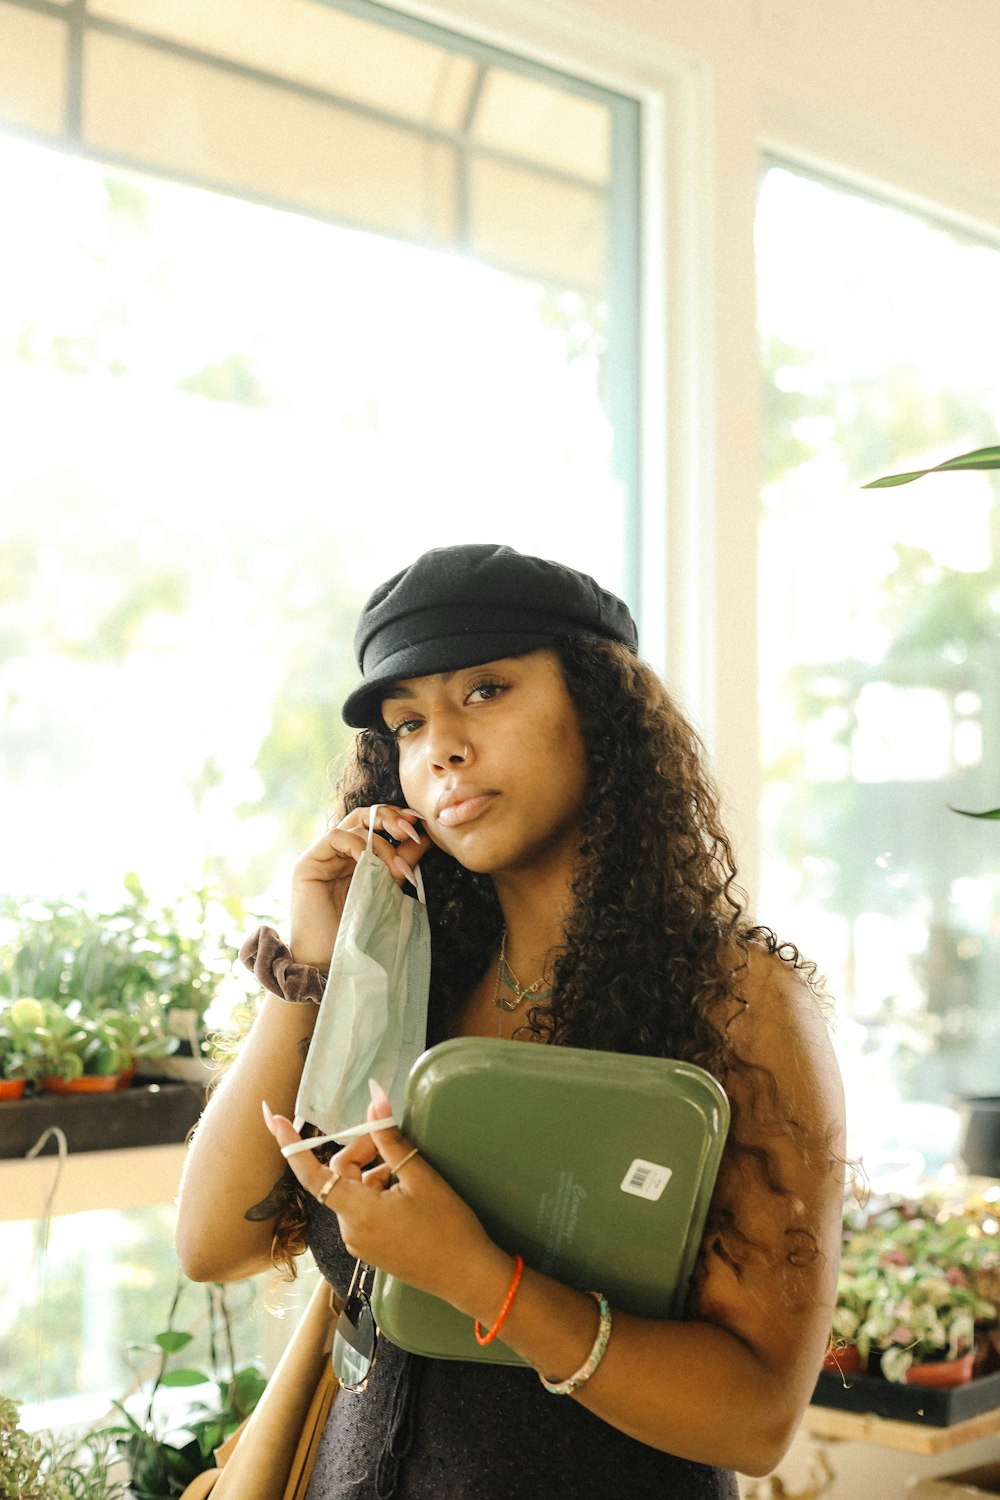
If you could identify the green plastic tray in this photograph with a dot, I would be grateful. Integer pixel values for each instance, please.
(597, 1167)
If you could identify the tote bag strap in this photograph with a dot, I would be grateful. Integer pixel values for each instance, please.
(201, 1486)
(275, 1448)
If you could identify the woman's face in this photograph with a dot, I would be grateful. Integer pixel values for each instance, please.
(493, 760)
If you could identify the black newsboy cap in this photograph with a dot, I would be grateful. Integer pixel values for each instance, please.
(460, 606)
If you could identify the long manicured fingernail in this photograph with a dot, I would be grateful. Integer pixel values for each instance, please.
(378, 1093)
(268, 1115)
(401, 867)
(414, 835)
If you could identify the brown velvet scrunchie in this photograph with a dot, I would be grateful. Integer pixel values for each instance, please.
(272, 965)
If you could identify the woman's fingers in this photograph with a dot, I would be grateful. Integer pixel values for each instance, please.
(312, 1174)
(350, 837)
(395, 822)
(346, 1166)
(327, 858)
(398, 823)
(393, 1147)
(322, 875)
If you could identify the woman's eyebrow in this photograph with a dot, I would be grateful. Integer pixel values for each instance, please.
(397, 690)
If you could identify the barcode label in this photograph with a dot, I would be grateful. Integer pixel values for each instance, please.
(646, 1179)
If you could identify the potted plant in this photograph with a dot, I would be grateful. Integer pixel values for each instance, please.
(14, 1044)
(162, 965)
(165, 1455)
(190, 947)
(922, 1325)
(917, 1290)
(142, 1035)
(44, 1466)
(67, 1051)
(853, 1298)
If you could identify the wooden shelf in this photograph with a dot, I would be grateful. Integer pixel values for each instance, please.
(907, 1437)
(144, 1115)
(123, 1150)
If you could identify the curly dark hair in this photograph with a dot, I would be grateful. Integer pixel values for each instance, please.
(658, 937)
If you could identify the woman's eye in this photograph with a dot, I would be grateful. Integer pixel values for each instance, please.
(403, 728)
(486, 690)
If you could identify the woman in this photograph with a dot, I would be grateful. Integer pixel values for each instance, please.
(575, 870)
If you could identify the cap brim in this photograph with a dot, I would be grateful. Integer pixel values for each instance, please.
(362, 708)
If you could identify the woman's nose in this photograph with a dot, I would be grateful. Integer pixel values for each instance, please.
(448, 749)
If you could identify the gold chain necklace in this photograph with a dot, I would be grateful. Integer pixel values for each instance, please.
(505, 975)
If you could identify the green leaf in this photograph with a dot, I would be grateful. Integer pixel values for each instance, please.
(249, 1383)
(979, 458)
(185, 1377)
(993, 813)
(172, 1340)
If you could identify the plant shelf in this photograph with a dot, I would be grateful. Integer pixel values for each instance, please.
(908, 1418)
(931, 1406)
(153, 1114)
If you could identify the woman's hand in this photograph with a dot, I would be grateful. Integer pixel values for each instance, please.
(322, 875)
(415, 1228)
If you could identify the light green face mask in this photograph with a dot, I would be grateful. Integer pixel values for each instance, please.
(372, 1020)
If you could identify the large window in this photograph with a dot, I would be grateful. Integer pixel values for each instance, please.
(292, 291)
(880, 639)
(225, 420)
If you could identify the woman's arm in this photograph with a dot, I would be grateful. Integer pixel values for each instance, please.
(228, 1200)
(228, 1197)
(726, 1388)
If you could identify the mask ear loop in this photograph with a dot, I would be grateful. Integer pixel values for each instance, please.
(417, 878)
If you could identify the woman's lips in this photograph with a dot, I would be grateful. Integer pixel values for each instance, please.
(465, 810)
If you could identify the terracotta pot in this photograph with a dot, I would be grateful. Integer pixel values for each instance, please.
(942, 1372)
(11, 1088)
(125, 1077)
(843, 1361)
(88, 1084)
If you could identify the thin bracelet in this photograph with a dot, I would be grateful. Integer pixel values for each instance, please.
(583, 1374)
(482, 1339)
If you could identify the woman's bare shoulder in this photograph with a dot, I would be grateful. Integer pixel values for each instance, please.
(785, 1068)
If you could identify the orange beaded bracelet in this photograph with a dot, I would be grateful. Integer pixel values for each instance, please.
(482, 1339)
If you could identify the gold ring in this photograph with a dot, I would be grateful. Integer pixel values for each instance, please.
(408, 1157)
(327, 1187)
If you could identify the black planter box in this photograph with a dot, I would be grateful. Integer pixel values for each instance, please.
(144, 1115)
(931, 1406)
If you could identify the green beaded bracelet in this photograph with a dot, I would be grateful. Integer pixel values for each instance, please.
(583, 1374)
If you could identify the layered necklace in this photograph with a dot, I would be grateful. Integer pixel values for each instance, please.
(506, 977)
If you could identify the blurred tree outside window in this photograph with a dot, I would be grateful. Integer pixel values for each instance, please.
(224, 424)
(880, 640)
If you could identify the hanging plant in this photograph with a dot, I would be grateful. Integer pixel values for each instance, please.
(979, 459)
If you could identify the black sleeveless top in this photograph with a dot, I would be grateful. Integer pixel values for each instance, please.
(433, 1429)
